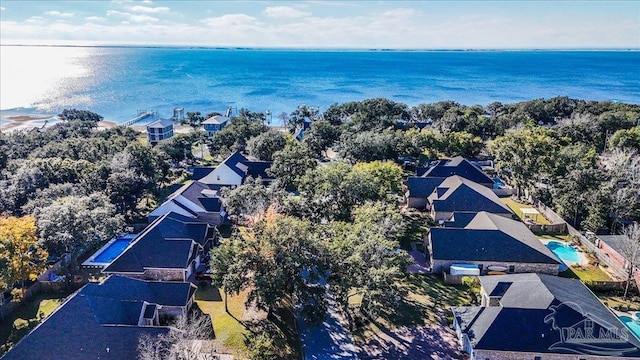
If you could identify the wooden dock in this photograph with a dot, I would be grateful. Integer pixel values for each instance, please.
(142, 114)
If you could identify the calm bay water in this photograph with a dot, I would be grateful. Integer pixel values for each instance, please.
(116, 82)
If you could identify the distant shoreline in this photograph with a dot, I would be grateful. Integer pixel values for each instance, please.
(328, 49)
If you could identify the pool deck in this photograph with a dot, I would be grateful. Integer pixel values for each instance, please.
(583, 257)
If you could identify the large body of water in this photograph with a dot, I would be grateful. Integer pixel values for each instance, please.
(116, 82)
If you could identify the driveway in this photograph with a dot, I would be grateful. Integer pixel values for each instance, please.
(409, 343)
(329, 340)
(420, 262)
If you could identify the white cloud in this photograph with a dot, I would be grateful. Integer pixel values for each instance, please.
(142, 18)
(147, 2)
(2, 8)
(132, 17)
(150, 10)
(58, 13)
(35, 19)
(285, 12)
(95, 18)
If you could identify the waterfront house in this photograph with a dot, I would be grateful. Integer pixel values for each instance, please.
(159, 130)
(456, 193)
(106, 320)
(194, 199)
(535, 316)
(214, 124)
(490, 242)
(171, 248)
(234, 169)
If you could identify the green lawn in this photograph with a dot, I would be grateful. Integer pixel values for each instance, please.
(586, 273)
(557, 237)
(515, 207)
(33, 311)
(228, 329)
(427, 302)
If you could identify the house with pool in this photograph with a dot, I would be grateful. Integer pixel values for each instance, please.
(537, 316)
(105, 320)
(489, 242)
(171, 248)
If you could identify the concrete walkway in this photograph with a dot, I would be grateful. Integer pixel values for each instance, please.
(420, 263)
(329, 340)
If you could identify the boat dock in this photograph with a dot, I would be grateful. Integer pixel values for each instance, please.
(142, 114)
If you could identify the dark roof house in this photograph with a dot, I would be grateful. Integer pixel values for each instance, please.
(196, 200)
(105, 321)
(234, 169)
(461, 167)
(490, 240)
(170, 248)
(538, 316)
(456, 193)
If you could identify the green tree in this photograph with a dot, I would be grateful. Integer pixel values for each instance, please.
(526, 154)
(320, 136)
(75, 223)
(250, 199)
(626, 139)
(194, 119)
(265, 145)
(289, 164)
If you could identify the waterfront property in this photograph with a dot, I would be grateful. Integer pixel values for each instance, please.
(492, 243)
(214, 124)
(159, 130)
(456, 193)
(107, 253)
(170, 249)
(106, 320)
(535, 316)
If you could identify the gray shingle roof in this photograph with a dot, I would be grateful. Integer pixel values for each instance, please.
(616, 242)
(422, 187)
(534, 310)
(490, 237)
(456, 193)
(458, 166)
(166, 243)
(100, 321)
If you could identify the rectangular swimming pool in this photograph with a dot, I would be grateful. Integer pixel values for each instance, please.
(111, 250)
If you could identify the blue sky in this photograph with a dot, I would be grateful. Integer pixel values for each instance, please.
(325, 24)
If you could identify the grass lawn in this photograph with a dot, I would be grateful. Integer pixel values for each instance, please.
(515, 207)
(556, 237)
(616, 301)
(586, 273)
(42, 304)
(228, 329)
(427, 302)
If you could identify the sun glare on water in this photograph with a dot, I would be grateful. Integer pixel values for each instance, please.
(33, 76)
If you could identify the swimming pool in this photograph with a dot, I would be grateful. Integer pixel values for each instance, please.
(116, 248)
(111, 250)
(634, 326)
(564, 252)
